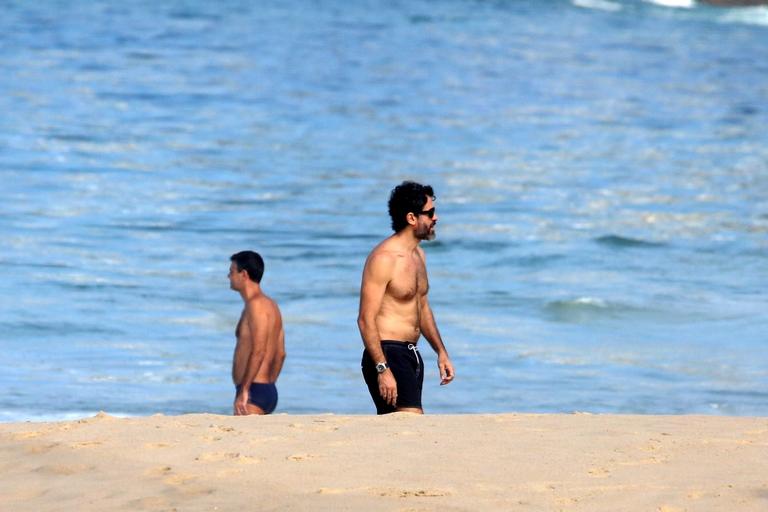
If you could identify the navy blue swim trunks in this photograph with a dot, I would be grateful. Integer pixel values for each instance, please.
(263, 396)
(407, 367)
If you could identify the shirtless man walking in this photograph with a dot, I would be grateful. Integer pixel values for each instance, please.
(260, 349)
(394, 310)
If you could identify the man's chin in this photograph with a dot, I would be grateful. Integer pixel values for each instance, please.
(428, 236)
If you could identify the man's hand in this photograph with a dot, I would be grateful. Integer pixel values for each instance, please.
(241, 402)
(388, 387)
(446, 370)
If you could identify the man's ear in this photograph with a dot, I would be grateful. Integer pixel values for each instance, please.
(410, 218)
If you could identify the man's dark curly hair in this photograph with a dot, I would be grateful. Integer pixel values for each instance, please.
(407, 197)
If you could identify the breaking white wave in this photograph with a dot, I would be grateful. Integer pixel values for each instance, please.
(747, 15)
(601, 5)
(681, 4)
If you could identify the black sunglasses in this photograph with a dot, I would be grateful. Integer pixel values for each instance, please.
(429, 213)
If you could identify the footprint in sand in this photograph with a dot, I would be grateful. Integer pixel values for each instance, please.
(40, 448)
(235, 457)
(222, 428)
(63, 469)
(541, 487)
(325, 428)
(268, 440)
(27, 435)
(299, 457)
(157, 445)
(321, 425)
(316, 426)
(599, 473)
(422, 493)
(410, 493)
(85, 444)
(332, 490)
(644, 462)
(159, 471)
(150, 503)
(187, 484)
(24, 495)
(404, 433)
(179, 479)
(654, 445)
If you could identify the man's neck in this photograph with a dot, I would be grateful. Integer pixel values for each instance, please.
(407, 239)
(250, 291)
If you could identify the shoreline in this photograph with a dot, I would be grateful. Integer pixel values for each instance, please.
(401, 462)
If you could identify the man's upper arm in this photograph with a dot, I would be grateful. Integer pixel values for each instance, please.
(258, 324)
(376, 277)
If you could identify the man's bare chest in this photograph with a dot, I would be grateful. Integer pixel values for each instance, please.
(242, 326)
(409, 281)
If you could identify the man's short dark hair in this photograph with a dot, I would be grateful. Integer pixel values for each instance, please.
(405, 198)
(251, 262)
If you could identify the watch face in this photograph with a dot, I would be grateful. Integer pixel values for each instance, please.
(381, 367)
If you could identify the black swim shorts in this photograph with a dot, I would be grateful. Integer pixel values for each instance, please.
(407, 367)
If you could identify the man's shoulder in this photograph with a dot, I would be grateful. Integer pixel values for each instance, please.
(381, 262)
(261, 303)
(389, 248)
(384, 254)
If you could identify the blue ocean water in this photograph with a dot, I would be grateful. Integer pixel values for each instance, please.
(601, 170)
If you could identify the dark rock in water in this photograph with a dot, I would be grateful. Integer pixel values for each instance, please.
(734, 3)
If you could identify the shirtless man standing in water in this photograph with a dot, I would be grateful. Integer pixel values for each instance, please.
(394, 310)
(260, 349)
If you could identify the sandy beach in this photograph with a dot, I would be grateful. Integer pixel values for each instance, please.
(399, 462)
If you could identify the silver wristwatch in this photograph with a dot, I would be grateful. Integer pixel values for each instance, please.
(381, 367)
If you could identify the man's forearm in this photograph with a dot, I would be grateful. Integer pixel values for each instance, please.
(254, 363)
(436, 342)
(431, 333)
